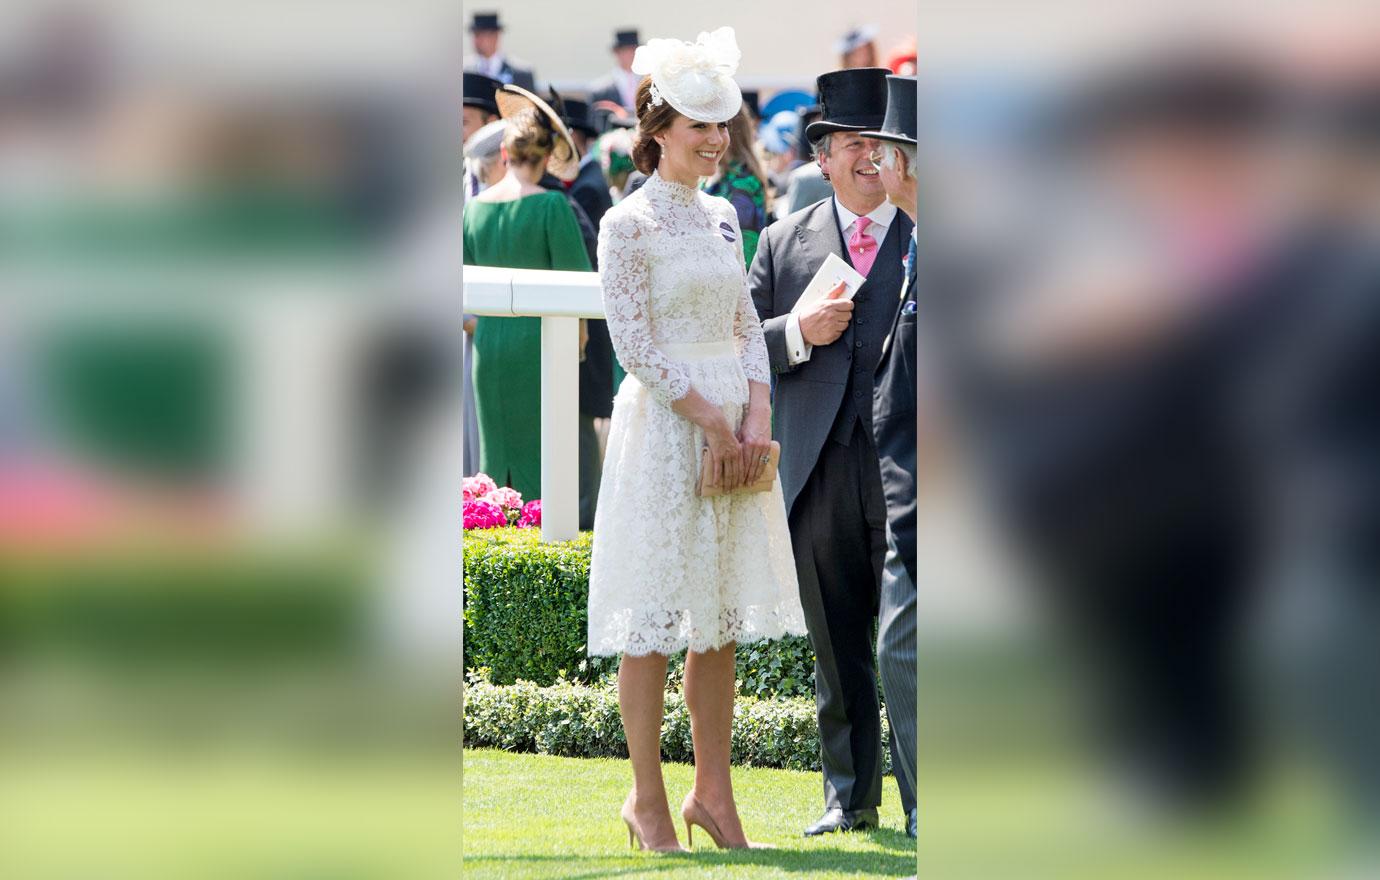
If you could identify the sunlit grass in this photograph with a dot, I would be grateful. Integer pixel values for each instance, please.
(535, 816)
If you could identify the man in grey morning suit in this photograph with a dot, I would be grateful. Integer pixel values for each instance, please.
(823, 359)
(895, 432)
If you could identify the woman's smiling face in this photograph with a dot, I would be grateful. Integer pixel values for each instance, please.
(690, 148)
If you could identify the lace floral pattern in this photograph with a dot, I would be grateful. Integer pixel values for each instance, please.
(671, 570)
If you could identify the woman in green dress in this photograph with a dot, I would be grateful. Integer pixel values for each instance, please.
(518, 225)
(743, 182)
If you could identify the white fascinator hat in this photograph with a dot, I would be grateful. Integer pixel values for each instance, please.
(694, 78)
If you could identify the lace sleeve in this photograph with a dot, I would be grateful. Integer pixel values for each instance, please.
(747, 328)
(627, 306)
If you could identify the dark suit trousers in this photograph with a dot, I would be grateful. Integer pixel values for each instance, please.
(896, 657)
(591, 471)
(838, 533)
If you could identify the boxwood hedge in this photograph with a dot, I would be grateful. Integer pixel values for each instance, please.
(575, 720)
(526, 618)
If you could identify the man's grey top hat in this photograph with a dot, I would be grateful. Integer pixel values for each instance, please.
(852, 100)
(479, 91)
(902, 123)
(486, 21)
(626, 40)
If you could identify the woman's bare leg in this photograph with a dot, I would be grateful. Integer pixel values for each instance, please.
(709, 692)
(641, 699)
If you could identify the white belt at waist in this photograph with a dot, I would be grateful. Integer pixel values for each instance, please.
(699, 351)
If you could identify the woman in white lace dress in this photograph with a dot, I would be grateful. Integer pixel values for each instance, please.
(672, 571)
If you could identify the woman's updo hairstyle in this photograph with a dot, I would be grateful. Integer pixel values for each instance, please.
(529, 138)
(651, 121)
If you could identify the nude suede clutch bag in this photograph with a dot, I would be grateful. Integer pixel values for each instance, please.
(763, 484)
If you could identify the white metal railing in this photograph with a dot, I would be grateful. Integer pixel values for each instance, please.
(560, 299)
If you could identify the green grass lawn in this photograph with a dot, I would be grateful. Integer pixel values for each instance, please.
(535, 816)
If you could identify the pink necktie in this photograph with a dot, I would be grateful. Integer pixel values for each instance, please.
(862, 248)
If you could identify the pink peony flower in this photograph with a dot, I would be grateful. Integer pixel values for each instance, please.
(477, 486)
(504, 497)
(531, 514)
(483, 515)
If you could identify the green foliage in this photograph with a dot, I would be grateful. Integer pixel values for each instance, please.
(526, 617)
(526, 607)
(580, 721)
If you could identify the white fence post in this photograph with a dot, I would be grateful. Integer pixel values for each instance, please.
(560, 299)
(560, 436)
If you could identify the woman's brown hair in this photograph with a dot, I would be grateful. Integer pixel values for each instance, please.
(646, 152)
(742, 147)
(529, 138)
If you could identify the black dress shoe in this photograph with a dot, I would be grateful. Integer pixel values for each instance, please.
(910, 824)
(843, 820)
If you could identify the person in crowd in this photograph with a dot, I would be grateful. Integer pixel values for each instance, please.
(590, 188)
(484, 163)
(857, 48)
(824, 357)
(741, 180)
(615, 157)
(487, 32)
(517, 223)
(1315, 422)
(478, 106)
(806, 184)
(894, 432)
(484, 167)
(777, 138)
(752, 104)
(672, 569)
(903, 59)
(619, 86)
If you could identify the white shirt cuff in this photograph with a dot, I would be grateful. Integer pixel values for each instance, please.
(797, 352)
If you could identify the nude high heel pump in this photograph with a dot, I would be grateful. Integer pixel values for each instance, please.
(693, 814)
(635, 835)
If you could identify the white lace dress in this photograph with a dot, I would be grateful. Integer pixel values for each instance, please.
(671, 570)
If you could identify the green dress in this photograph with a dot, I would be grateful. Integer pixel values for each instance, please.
(533, 232)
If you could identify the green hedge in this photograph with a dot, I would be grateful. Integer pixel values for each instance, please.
(526, 618)
(581, 721)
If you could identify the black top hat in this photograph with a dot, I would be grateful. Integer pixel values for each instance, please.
(852, 100)
(625, 39)
(486, 21)
(902, 123)
(576, 114)
(479, 91)
(751, 98)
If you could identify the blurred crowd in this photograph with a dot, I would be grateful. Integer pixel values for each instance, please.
(1150, 313)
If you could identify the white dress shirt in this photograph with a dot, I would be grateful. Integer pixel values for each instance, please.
(490, 66)
(627, 83)
(797, 349)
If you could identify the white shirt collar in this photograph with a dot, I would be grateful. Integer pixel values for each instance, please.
(881, 218)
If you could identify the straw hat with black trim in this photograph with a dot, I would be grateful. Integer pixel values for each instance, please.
(565, 159)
